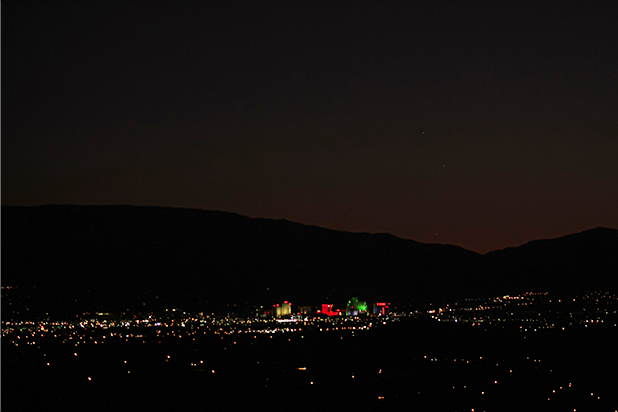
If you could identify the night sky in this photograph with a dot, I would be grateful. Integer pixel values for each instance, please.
(479, 124)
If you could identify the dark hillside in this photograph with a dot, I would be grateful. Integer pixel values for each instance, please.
(572, 263)
(208, 255)
(221, 255)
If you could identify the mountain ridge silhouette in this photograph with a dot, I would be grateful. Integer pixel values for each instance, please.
(227, 256)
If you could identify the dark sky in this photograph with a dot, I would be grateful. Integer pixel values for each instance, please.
(480, 124)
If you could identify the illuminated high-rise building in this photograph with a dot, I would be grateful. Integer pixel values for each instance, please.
(305, 310)
(356, 307)
(381, 308)
(285, 309)
(327, 309)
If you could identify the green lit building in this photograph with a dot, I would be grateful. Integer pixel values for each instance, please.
(356, 307)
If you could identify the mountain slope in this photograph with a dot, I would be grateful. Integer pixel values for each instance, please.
(218, 254)
(224, 256)
(576, 262)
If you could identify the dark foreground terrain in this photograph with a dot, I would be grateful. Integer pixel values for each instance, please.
(415, 364)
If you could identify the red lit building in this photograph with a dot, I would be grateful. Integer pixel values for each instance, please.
(327, 309)
(381, 308)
